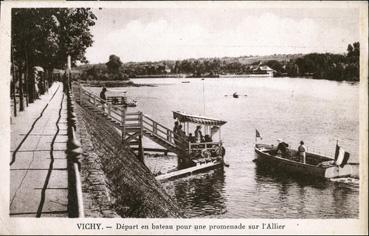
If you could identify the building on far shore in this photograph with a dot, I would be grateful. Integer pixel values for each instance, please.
(263, 69)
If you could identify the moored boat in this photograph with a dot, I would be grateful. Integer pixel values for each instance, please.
(199, 152)
(316, 165)
(121, 100)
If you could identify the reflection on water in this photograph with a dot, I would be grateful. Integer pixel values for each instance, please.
(317, 111)
(305, 197)
(201, 194)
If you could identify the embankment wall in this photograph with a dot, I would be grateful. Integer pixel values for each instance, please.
(114, 182)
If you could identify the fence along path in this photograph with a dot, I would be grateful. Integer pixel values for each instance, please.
(133, 125)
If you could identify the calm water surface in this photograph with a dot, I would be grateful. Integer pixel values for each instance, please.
(316, 111)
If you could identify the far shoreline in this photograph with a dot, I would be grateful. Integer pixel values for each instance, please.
(130, 82)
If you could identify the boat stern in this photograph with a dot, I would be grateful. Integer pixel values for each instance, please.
(349, 170)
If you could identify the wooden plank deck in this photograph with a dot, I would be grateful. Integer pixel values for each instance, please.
(189, 171)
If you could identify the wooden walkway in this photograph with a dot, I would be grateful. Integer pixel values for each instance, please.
(133, 125)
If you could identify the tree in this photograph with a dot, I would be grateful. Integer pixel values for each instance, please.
(114, 64)
(353, 55)
(45, 36)
(356, 51)
(275, 65)
(350, 50)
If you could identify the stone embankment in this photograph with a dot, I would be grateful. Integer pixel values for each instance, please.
(114, 182)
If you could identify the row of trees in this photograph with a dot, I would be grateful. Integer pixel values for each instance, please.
(323, 66)
(317, 65)
(44, 37)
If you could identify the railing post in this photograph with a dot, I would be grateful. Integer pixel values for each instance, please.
(80, 94)
(109, 109)
(103, 104)
(169, 135)
(141, 121)
(155, 127)
(123, 120)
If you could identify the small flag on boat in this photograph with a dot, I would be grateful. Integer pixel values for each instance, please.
(258, 134)
(341, 157)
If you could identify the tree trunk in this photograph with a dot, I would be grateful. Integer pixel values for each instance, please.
(13, 83)
(30, 84)
(49, 72)
(21, 100)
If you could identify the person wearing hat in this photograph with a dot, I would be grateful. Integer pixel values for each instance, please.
(198, 134)
(302, 152)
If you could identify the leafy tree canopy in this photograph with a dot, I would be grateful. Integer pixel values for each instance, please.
(45, 36)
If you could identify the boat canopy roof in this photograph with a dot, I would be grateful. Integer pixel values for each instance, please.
(183, 117)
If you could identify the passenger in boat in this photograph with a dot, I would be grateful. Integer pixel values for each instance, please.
(208, 139)
(302, 152)
(283, 147)
(175, 127)
(198, 134)
(191, 138)
(180, 132)
(175, 132)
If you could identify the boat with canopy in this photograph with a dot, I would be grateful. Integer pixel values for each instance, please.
(203, 149)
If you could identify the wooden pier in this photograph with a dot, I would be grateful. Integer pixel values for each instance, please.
(133, 125)
(136, 125)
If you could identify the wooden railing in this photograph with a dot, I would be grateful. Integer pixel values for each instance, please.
(136, 120)
(159, 130)
(206, 145)
(74, 153)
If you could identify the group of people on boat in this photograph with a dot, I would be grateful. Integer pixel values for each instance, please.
(197, 138)
(285, 152)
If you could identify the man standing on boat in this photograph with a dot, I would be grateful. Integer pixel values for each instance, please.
(302, 152)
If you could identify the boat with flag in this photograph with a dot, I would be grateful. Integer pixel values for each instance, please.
(313, 164)
(200, 141)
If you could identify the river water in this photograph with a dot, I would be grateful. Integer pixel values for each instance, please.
(319, 112)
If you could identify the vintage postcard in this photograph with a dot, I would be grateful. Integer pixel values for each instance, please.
(195, 117)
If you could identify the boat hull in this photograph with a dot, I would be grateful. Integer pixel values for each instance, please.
(294, 167)
(288, 165)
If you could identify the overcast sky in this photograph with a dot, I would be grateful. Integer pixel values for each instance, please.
(158, 34)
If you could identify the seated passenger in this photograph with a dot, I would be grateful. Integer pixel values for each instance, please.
(198, 134)
(283, 147)
(191, 138)
(208, 139)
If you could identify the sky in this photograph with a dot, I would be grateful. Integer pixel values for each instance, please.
(152, 34)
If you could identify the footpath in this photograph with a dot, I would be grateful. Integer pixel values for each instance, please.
(38, 163)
